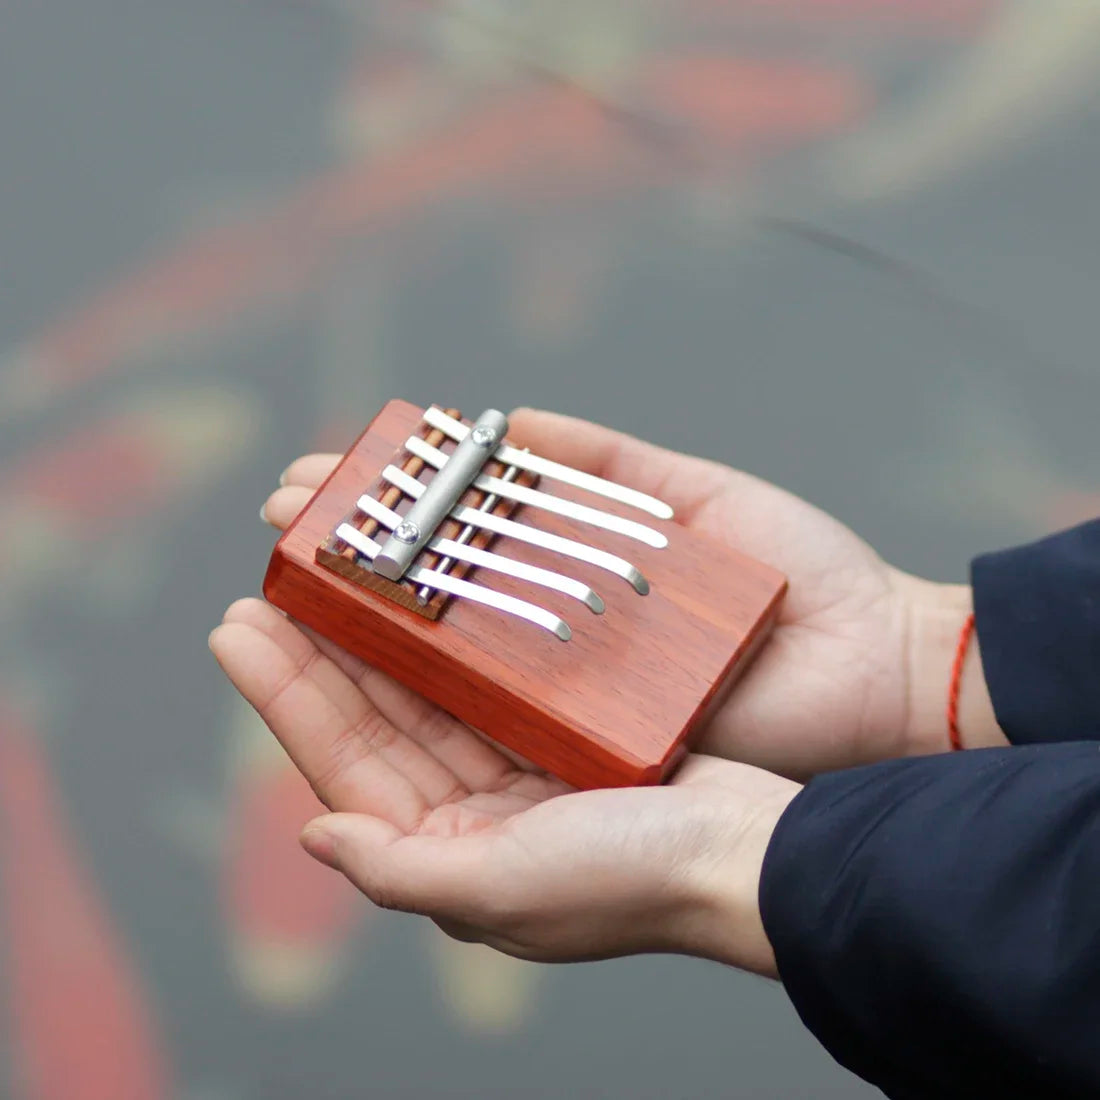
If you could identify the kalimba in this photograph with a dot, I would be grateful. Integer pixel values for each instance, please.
(567, 617)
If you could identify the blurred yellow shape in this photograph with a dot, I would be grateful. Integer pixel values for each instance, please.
(484, 991)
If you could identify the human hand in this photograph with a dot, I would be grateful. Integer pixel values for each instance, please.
(432, 819)
(858, 666)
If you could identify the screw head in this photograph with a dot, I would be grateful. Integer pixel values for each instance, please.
(406, 532)
(483, 436)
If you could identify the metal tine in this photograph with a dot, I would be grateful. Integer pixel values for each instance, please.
(488, 503)
(487, 560)
(556, 471)
(455, 586)
(537, 499)
(523, 532)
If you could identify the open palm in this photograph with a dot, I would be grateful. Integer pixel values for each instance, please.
(430, 818)
(831, 688)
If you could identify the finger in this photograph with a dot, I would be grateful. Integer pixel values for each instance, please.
(681, 481)
(282, 507)
(432, 778)
(478, 764)
(353, 760)
(485, 771)
(309, 471)
(455, 879)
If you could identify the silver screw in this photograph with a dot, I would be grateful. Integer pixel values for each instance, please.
(483, 436)
(406, 532)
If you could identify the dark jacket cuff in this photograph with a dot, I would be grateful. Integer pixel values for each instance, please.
(1037, 609)
(936, 921)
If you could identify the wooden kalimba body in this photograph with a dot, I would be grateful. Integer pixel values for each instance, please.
(566, 617)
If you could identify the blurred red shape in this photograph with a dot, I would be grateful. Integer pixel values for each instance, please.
(737, 100)
(97, 474)
(81, 1027)
(288, 917)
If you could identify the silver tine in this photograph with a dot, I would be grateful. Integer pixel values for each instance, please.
(523, 532)
(535, 498)
(488, 560)
(538, 499)
(569, 548)
(363, 544)
(379, 512)
(455, 586)
(488, 503)
(546, 467)
(547, 578)
(490, 597)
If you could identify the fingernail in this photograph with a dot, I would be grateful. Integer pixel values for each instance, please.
(210, 639)
(283, 476)
(263, 512)
(320, 844)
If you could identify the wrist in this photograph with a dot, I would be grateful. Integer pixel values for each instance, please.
(722, 915)
(937, 614)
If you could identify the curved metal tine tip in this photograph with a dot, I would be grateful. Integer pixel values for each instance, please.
(490, 597)
(569, 548)
(521, 570)
(479, 593)
(535, 498)
(556, 471)
(523, 532)
(581, 479)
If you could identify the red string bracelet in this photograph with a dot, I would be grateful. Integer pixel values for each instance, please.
(956, 684)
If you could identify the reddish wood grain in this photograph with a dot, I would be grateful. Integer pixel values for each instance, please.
(613, 706)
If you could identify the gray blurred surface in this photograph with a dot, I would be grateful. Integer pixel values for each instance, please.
(911, 346)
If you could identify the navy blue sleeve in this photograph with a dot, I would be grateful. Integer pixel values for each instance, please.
(1037, 610)
(936, 921)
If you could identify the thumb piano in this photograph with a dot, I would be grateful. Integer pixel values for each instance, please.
(564, 616)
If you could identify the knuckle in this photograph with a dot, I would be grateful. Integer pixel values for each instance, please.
(352, 744)
(300, 671)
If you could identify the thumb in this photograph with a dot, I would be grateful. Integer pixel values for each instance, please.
(681, 481)
(448, 877)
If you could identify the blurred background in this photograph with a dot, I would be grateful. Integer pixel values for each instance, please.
(850, 245)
